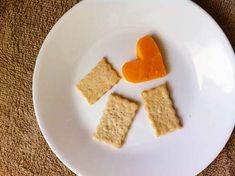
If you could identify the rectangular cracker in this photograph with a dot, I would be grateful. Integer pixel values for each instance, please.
(116, 121)
(160, 110)
(96, 83)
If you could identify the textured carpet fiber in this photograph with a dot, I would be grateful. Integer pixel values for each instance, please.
(23, 27)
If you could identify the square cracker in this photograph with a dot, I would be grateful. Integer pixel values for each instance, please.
(160, 110)
(98, 81)
(116, 121)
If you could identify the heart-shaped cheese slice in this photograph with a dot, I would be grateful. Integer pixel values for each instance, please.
(149, 64)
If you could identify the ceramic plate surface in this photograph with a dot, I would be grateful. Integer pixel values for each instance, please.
(201, 75)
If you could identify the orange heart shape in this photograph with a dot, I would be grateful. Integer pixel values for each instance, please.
(149, 64)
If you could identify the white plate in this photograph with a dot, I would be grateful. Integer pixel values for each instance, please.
(202, 79)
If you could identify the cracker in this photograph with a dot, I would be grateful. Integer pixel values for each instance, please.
(160, 110)
(96, 83)
(116, 121)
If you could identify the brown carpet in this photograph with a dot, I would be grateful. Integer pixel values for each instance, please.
(23, 27)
